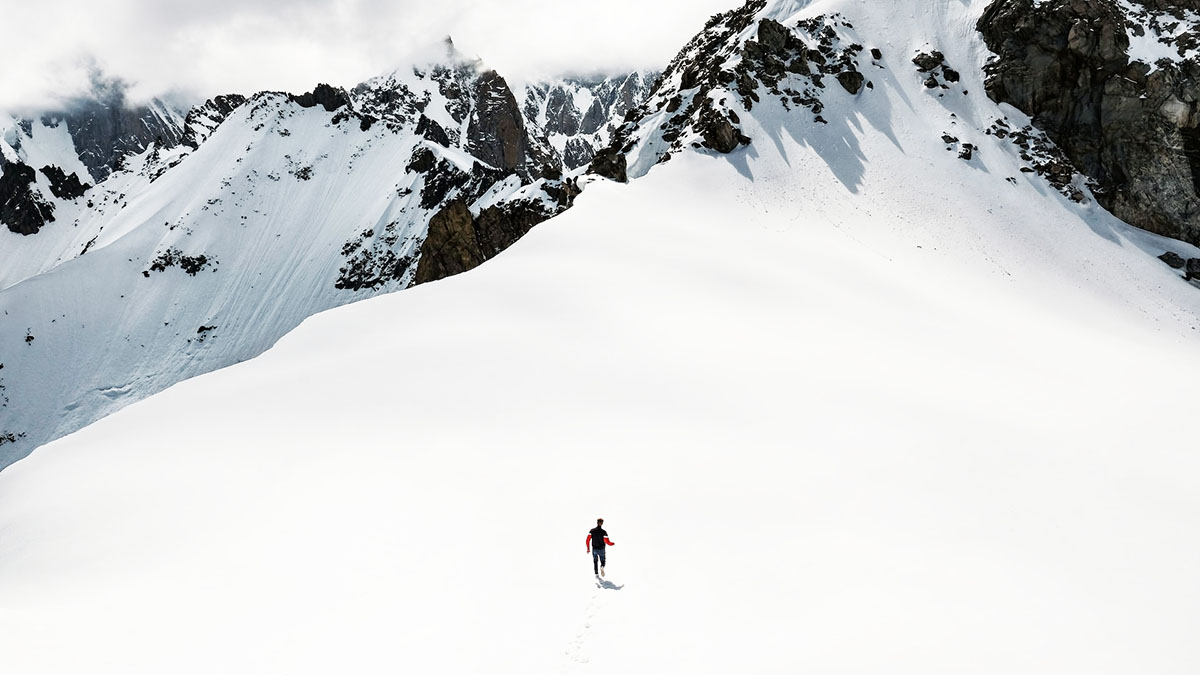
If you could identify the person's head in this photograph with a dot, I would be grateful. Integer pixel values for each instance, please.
(599, 522)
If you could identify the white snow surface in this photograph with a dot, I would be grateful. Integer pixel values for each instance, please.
(1152, 34)
(846, 403)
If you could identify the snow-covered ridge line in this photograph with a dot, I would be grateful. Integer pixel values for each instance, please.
(270, 208)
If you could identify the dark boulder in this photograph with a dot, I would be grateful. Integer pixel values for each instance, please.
(422, 161)
(1192, 269)
(928, 62)
(1174, 260)
(851, 81)
(719, 131)
(772, 35)
(610, 163)
(62, 185)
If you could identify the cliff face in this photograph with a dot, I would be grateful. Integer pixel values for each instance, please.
(1116, 86)
(579, 114)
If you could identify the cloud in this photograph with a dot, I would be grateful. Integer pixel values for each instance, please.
(196, 50)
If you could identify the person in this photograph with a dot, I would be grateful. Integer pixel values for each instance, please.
(597, 539)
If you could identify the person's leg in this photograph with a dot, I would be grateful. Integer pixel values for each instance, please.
(596, 560)
(601, 549)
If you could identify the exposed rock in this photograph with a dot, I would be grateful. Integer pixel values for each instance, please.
(62, 185)
(851, 80)
(718, 131)
(1174, 260)
(432, 131)
(577, 153)
(202, 120)
(450, 247)
(1132, 131)
(1192, 269)
(22, 208)
(499, 227)
(173, 257)
(496, 133)
(610, 163)
(927, 62)
(554, 106)
(105, 128)
(458, 242)
(422, 160)
(329, 97)
(772, 35)
(374, 261)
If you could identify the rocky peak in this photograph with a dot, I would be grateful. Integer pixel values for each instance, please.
(1081, 70)
(742, 58)
(203, 119)
(106, 128)
(579, 113)
(496, 132)
(327, 96)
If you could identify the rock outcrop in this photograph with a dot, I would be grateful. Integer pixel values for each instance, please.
(450, 247)
(203, 119)
(579, 114)
(327, 96)
(496, 133)
(457, 241)
(739, 61)
(1133, 128)
(105, 131)
(22, 207)
(63, 186)
(611, 164)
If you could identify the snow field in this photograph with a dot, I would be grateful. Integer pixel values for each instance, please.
(805, 462)
(846, 403)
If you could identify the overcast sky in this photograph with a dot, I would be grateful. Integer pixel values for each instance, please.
(199, 49)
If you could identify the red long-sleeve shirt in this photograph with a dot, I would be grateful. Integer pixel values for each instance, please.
(589, 542)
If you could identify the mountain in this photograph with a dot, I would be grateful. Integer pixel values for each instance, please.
(853, 394)
(1115, 85)
(205, 246)
(579, 114)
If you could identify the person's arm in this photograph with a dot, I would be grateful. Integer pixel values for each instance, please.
(589, 543)
(606, 541)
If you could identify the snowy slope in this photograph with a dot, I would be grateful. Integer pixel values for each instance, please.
(847, 402)
(191, 260)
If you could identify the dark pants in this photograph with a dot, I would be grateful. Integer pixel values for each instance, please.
(597, 558)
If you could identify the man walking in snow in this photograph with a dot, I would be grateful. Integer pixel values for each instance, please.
(597, 539)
